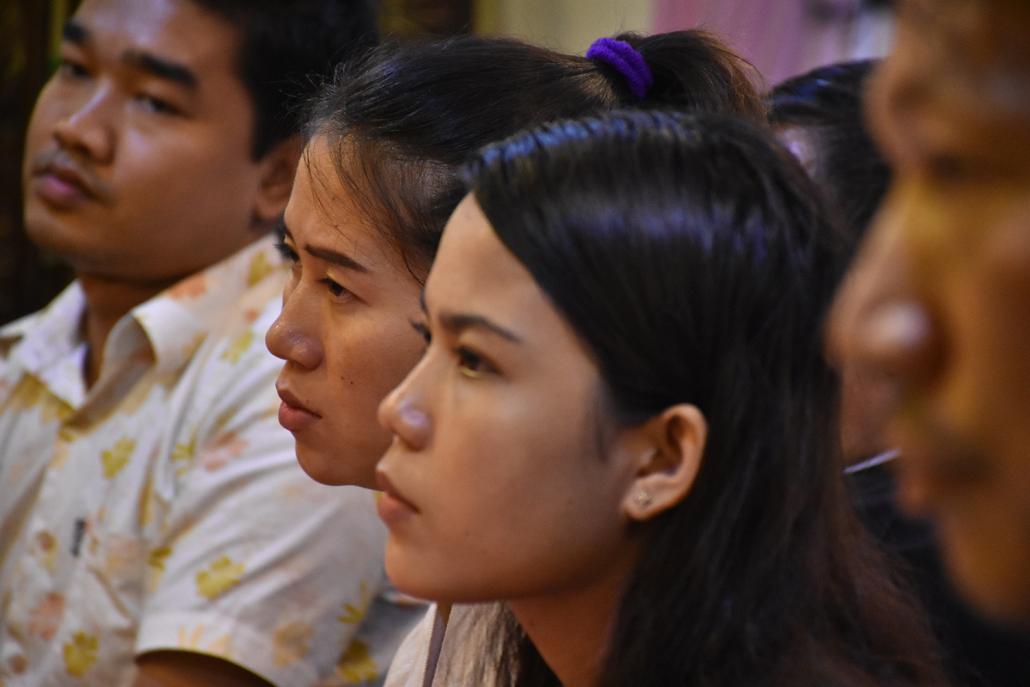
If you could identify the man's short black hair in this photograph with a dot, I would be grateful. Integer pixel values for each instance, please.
(287, 49)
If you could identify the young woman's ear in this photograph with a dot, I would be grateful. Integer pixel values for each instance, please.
(666, 471)
(278, 167)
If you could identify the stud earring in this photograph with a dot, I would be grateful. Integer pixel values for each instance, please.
(642, 498)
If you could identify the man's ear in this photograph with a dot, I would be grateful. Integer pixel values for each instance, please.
(666, 469)
(277, 169)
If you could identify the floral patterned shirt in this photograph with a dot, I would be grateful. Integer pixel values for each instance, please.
(163, 507)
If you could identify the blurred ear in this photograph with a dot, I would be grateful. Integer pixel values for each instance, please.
(666, 469)
(277, 169)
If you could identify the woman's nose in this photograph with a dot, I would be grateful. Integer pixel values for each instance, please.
(401, 413)
(291, 339)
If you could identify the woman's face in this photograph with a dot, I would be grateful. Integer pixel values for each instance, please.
(506, 478)
(344, 330)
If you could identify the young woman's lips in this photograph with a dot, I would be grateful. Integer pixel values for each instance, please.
(393, 508)
(294, 416)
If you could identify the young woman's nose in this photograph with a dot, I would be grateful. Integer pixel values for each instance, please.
(402, 413)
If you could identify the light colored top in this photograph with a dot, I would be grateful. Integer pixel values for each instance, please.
(463, 644)
(163, 508)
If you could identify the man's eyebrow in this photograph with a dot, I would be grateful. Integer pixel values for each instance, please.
(161, 68)
(327, 254)
(74, 32)
(459, 322)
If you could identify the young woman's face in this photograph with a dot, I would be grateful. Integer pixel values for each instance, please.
(344, 330)
(506, 478)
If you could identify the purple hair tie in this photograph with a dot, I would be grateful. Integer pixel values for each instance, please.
(625, 59)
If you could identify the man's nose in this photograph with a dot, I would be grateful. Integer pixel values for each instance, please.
(88, 128)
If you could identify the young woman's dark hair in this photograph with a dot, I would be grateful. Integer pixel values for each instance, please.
(824, 107)
(403, 119)
(691, 257)
(287, 49)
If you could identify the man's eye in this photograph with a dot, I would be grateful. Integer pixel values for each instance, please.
(156, 105)
(72, 69)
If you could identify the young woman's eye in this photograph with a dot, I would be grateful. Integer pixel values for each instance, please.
(288, 254)
(335, 289)
(423, 331)
(471, 364)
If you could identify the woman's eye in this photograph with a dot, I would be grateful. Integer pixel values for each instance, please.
(335, 289)
(423, 331)
(288, 254)
(471, 364)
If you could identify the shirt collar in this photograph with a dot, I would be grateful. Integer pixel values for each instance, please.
(173, 324)
(180, 318)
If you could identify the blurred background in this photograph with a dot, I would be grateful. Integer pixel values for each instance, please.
(780, 37)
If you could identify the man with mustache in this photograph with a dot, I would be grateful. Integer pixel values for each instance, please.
(939, 301)
(155, 528)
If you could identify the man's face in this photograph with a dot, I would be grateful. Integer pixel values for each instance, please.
(940, 300)
(137, 162)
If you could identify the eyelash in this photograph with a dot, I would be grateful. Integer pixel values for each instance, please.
(72, 69)
(470, 364)
(289, 255)
(156, 105)
(423, 331)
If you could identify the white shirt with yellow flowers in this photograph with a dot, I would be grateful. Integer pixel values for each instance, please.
(163, 508)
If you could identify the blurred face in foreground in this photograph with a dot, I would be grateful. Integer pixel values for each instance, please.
(940, 297)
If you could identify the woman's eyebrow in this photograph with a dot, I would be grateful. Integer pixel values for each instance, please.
(459, 322)
(328, 254)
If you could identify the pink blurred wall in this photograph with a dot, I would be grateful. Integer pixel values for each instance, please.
(784, 37)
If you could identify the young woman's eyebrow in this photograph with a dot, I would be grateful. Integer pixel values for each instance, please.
(459, 322)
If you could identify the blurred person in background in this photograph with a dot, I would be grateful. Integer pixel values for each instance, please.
(155, 528)
(819, 116)
(939, 300)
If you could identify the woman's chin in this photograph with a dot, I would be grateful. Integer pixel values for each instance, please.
(334, 470)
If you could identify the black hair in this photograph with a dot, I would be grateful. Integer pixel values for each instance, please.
(403, 119)
(288, 48)
(691, 256)
(826, 105)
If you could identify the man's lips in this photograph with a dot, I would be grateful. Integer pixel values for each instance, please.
(392, 506)
(61, 181)
(293, 415)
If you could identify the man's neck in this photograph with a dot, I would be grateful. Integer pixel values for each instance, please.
(107, 301)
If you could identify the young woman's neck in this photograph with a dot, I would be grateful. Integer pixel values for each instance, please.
(572, 629)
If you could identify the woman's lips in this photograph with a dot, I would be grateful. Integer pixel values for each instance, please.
(294, 416)
(393, 508)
